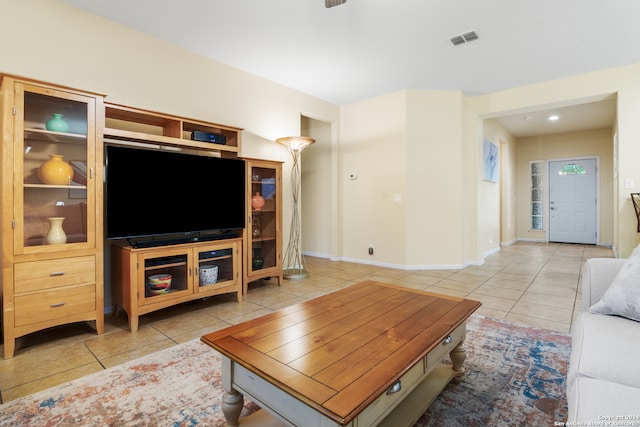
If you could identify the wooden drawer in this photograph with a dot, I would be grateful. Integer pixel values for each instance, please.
(54, 273)
(437, 354)
(54, 304)
(390, 399)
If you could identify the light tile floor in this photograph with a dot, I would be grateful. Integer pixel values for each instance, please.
(534, 284)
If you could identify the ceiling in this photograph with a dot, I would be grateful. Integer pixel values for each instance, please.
(366, 48)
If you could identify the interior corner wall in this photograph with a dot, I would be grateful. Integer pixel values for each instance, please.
(435, 173)
(373, 173)
(319, 182)
(403, 152)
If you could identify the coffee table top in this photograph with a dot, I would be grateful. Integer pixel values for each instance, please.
(337, 353)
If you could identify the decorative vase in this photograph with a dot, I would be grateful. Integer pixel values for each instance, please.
(56, 123)
(257, 202)
(56, 233)
(55, 171)
(257, 262)
(256, 228)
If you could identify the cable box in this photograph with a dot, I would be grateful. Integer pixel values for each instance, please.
(197, 135)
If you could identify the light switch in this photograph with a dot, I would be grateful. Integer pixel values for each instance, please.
(397, 198)
(628, 183)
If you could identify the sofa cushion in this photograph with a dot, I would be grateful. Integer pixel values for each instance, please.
(606, 348)
(600, 402)
(623, 296)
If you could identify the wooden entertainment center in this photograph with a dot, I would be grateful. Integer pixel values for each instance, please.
(47, 283)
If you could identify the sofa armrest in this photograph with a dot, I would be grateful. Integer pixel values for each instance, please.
(597, 275)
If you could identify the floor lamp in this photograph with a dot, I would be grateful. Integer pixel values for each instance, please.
(293, 259)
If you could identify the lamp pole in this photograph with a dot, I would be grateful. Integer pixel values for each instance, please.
(293, 259)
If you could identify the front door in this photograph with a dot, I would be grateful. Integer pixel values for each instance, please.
(572, 201)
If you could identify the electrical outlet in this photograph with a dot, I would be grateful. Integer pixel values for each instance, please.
(371, 249)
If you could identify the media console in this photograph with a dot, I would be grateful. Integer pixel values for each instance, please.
(197, 270)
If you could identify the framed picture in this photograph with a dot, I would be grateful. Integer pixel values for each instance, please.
(491, 160)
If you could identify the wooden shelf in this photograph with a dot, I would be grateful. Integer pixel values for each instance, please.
(71, 187)
(148, 127)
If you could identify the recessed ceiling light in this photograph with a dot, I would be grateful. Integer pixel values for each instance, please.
(553, 118)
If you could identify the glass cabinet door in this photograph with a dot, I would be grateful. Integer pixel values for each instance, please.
(264, 216)
(54, 162)
(215, 267)
(165, 275)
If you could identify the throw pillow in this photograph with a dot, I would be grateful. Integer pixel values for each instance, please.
(623, 296)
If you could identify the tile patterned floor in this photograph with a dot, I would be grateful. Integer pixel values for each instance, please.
(533, 284)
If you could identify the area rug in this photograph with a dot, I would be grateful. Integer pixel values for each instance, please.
(515, 376)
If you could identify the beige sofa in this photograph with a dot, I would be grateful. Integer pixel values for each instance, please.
(603, 382)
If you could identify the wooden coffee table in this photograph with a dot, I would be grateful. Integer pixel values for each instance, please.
(370, 354)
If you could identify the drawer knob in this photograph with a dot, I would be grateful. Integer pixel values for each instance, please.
(395, 387)
(60, 304)
(56, 273)
(447, 340)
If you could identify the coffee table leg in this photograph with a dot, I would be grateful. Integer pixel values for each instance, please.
(458, 355)
(232, 403)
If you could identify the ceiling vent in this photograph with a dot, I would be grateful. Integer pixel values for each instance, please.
(332, 3)
(464, 38)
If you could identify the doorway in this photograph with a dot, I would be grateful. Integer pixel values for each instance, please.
(573, 201)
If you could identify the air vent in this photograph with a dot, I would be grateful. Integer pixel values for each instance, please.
(331, 3)
(464, 38)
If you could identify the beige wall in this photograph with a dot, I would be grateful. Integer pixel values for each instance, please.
(373, 146)
(425, 146)
(407, 200)
(435, 197)
(497, 214)
(319, 204)
(596, 143)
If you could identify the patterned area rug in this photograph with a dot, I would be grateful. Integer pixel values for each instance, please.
(515, 376)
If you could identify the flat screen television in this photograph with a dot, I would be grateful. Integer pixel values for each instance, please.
(156, 195)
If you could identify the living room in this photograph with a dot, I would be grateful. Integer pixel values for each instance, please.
(384, 140)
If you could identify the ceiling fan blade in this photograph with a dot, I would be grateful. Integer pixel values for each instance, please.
(331, 3)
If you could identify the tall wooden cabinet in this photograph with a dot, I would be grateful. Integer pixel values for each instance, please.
(50, 278)
(263, 240)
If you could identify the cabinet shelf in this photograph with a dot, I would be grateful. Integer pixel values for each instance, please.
(54, 137)
(163, 266)
(263, 239)
(218, 258)
(71, 187)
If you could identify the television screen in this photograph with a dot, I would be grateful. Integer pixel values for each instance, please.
(154, 193)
